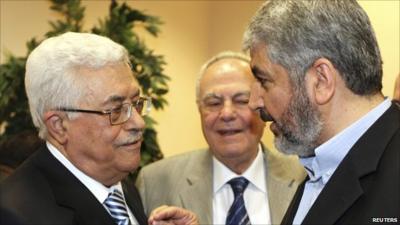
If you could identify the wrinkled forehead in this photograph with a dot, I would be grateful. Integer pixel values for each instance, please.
(227, 87)
(125, 93)
(226, 65)
(109, 84)
(226, 74)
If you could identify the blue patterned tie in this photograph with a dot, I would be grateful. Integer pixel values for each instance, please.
(237, 214)
(115, 204)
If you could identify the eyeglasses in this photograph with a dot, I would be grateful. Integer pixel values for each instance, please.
(120, 114)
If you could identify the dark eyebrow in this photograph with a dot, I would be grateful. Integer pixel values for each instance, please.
(257, 72)
(260, 74)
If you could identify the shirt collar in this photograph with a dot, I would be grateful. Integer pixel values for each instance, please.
(255, 173)
(98, 189)
(329, 155)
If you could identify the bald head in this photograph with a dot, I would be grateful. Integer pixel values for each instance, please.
(234, 56)
(231, 129)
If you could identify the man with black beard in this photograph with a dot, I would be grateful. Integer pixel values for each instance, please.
(320, 79)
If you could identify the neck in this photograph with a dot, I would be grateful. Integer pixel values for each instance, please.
(238, 165)
(102, 174)
(342, 112)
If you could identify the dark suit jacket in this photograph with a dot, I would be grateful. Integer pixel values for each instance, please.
(365, 187)
(43, 191)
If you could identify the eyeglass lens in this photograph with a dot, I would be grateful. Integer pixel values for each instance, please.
(121, 115)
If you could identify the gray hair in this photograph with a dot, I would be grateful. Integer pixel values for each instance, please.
(52, 79)
(214, 59)
(298, 32)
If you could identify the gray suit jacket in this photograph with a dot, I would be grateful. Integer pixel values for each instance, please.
(186, 181)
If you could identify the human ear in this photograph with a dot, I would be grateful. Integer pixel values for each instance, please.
(56, 127)
(322, 79)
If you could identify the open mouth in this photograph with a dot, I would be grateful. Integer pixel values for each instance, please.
(229, 132)
(134, 142)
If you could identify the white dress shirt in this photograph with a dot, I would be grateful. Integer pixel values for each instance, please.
(329, 155)
(98, 190)
(255, 195)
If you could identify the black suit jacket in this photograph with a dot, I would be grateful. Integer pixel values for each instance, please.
(364, 189)
(43, 191)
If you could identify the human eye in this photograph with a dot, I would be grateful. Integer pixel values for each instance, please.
(212, 104)
(262, 77)
(263, 81)
(241, 99)
(115, 113)
(139, 103)
(116, 109)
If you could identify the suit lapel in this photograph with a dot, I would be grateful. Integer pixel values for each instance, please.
(86, 207)
(294, 205)
(134, 202)
(334, 200)
(280, 191)
(70, 193)
(196, 192)
(344, 187)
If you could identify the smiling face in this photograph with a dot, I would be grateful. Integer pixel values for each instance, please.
(103, 151)
(296, 121)
(231, 129)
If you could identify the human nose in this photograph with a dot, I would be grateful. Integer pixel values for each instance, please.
(227, 111)
(135, 121)
(256, 100)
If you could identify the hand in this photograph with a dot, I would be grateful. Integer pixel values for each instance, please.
(170, 215)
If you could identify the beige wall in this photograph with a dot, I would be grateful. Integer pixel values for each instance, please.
(193, 31)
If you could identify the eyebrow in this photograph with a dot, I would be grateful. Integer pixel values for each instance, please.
(236, 95)
(245, 93)
(258, 73)
(119, 98)
(114, 99)
(211, 95)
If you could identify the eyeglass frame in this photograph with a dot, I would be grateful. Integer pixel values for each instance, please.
(108, 112)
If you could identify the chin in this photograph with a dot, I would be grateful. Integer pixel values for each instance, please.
(129, 163)
(231, 151)
(129, 168)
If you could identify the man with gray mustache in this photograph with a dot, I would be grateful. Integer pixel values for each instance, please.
(86, 104)
(135, 137)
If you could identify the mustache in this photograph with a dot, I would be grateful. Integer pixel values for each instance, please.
(134, 137)
(266, 117)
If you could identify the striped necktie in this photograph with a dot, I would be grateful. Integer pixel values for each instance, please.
(115, 204)
(237, 214)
